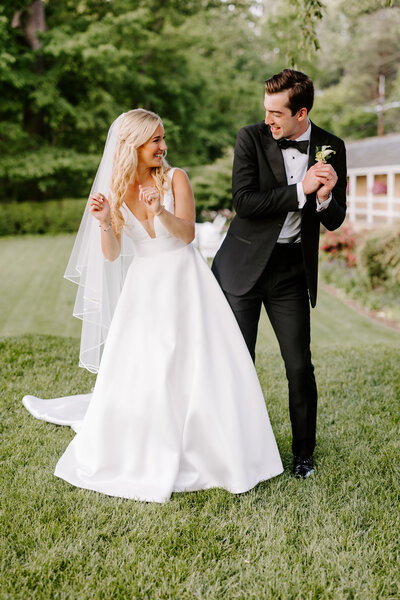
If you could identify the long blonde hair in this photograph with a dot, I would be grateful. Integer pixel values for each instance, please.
(136, 128)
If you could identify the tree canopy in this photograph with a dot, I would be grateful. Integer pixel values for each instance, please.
(69, 67)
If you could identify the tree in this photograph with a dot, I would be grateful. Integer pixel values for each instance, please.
(64, 79)
(90, 60)
(363, 39)
(69, 67)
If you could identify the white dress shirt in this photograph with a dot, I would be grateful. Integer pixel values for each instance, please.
(296, 166)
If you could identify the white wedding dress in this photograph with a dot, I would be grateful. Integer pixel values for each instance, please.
(177, 404)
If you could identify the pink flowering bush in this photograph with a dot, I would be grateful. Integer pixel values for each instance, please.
(375, 282)
(341, 245)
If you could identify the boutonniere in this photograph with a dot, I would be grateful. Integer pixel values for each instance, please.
(324, 153)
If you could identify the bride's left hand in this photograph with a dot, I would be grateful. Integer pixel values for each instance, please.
(151, 197)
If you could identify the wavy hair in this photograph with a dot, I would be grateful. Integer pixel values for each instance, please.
(136, 128)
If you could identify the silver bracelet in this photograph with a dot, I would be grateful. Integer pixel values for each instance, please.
(107, 228)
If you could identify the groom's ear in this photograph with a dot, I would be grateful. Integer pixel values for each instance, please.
(302, 114)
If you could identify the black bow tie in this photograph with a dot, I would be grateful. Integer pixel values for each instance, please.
(300, 146)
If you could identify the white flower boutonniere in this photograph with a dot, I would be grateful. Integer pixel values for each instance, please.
(323, 153)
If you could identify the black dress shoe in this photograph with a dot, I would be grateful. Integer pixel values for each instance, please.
(303, 467)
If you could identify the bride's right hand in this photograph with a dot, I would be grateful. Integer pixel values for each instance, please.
(100, 208)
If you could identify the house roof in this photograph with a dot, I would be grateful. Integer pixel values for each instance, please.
(374, 152)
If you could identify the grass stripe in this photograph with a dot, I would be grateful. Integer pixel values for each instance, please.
(36, 297)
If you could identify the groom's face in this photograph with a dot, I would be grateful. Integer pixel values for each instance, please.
(280, 119)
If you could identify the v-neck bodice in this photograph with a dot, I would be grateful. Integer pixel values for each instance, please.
(136, 230)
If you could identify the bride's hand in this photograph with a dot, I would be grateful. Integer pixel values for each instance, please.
(151, 198)
(100, 208)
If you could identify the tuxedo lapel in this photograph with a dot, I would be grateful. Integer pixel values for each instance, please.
(313, 145)
(274, 156)
(316, 139)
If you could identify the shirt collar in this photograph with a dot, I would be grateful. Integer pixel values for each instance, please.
(306, 135)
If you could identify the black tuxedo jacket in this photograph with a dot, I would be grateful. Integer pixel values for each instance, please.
(262, 198)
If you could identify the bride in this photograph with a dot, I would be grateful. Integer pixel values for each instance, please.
(177, 405)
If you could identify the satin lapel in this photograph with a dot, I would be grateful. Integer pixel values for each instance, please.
(274, 156)
(315, 140)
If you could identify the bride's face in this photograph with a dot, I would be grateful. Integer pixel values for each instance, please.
(151, 153)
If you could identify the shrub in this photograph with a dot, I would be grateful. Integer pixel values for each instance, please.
(46, 173)
(379, 256)
(340, 245)
(53, 216)
(212, 185)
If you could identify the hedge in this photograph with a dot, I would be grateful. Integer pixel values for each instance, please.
(52, 216)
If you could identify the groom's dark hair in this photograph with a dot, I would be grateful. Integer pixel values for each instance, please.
(299, 86)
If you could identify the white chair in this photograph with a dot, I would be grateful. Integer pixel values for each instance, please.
(209, 236)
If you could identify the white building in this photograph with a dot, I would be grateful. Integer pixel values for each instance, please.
(373, 167)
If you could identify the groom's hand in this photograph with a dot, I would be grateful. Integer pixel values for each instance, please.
(320, 178)
(327, 176)
(312, 180)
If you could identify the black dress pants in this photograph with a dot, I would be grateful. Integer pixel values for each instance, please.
(283, 291)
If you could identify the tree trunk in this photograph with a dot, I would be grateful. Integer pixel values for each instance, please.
(32, 22)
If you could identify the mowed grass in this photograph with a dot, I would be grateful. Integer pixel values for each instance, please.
(35, 298)
(333, 536)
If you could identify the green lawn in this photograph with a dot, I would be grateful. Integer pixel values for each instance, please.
(333, 536)
(35, 297)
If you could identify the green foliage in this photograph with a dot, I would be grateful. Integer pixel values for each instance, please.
(336, 109)
(98, 59)
(212, 184)
(57, 216)
(375, 280)
(283, 41)
(200, 65)
(54, 172)
(379, 257)
(292, 30)
(312, 12)
(351, 284)
(359, 42)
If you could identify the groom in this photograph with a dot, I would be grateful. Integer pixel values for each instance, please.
(281, 194)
